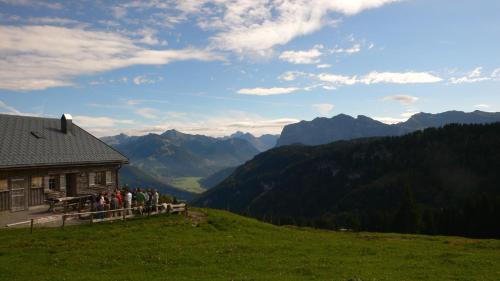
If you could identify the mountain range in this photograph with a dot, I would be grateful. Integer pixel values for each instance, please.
(442, 181)
(344, 127)
(159, 159)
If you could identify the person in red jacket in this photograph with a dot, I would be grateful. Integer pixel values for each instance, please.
(119, 198)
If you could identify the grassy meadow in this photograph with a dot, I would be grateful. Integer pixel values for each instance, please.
(190, 184)
(224, 246)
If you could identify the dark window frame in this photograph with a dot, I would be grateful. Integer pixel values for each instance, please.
(100, 178)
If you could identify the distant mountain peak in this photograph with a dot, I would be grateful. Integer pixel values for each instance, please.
(261, 143)
(172, 133)
(342, 116)
(240, 134)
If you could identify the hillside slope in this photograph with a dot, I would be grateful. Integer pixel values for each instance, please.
(433, 181)
(229, 247)
(216, 178)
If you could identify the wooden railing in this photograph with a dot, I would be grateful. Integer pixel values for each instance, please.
(124, 213)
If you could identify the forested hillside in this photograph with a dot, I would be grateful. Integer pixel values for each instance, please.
(436, 181)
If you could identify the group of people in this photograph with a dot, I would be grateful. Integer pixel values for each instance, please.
(140, 200)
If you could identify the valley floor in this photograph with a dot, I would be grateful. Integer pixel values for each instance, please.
(190, 184)
(224, 246)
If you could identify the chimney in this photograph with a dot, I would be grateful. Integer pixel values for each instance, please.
(66, 123)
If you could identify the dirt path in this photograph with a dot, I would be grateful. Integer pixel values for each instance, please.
(197, 217)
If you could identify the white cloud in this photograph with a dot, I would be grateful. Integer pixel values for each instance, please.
(324, 65)
(472, 77)
(323, 108)
(267, 91)
(338, 79)
(403, 99)
(149, 37)
(291, 75)
(356, 48)
(400, 78)
(53, 20)
(390, 120)
(329, 88)
(149, 113)
(380, 77)
(143, 79)
(100, 122)
(495, 73)
(40, 57)
(409, 114)
(484, 106)
(302, 57)
(249, 27)
(393, 120)
(31, 3)
(256, 26)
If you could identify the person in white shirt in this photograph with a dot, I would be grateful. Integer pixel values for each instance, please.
(156, 197)
(128, 200)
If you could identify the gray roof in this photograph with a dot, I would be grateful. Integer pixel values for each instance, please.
(19, 147)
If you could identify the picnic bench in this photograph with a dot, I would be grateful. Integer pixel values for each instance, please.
(67, 203)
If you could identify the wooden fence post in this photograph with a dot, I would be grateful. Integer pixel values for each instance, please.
(31, 227)
(186, 210)
(63, 220)
(92, 218)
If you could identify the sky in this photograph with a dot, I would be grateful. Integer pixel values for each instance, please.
(216, 67)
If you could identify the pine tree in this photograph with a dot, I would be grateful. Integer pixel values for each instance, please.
(407, 219)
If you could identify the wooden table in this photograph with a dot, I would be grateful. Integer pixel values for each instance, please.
(66, 202)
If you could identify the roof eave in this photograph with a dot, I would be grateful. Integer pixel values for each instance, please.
(68, 164)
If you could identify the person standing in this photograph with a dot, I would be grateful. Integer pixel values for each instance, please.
(100, 206)
(120, 200)
(114, 205)
(156, 197)
(128, 201)
(140, 200)
(146, 200)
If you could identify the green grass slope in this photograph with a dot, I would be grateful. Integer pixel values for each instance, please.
(190, 184)
(230, 247)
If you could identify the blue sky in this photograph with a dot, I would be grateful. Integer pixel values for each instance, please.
(215, 67)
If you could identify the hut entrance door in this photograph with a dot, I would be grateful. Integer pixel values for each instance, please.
(71, 189)
(18, 194)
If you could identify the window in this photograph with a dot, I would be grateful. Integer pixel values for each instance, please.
(109, 180)
(52, 183)
(100, 178)
(4, 184)
(92, 179)
(36, 182)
